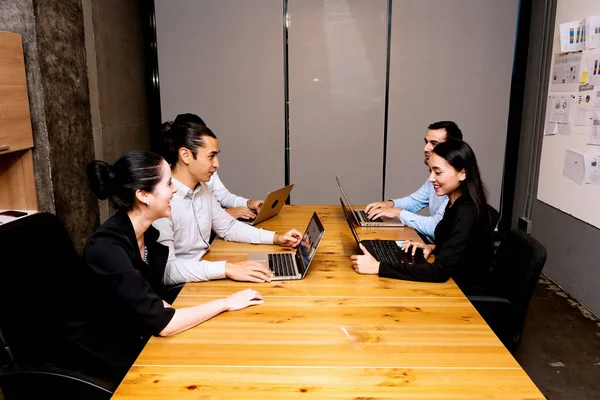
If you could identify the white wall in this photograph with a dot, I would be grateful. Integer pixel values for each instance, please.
(452, 59)
(337, 61)
(222, 60)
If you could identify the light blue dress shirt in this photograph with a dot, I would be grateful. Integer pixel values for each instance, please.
(417, 201)
(225, 198)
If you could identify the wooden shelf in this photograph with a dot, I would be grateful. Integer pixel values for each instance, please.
(17, 181)
(17, 178)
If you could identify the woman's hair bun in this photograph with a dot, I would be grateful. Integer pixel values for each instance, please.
(101, 178)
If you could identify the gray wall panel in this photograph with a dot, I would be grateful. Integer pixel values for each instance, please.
(223, 60)
(573, 253)
(450, 60)
(337, 57)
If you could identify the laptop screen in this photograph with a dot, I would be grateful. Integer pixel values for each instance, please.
(310, 241)
(344, 196)
(345, 209)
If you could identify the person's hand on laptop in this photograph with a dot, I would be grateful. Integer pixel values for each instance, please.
(255, 205)
(411, 247)
(248, 271)
(241, 212)
(378, 205)
(384, 212)
(290, 238)
(365, 264)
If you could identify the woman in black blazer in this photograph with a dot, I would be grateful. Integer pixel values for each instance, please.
(463, 240)
(119, 305)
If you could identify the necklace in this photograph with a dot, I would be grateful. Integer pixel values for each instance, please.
(145, 254)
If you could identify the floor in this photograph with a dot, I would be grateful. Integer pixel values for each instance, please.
(560, 349)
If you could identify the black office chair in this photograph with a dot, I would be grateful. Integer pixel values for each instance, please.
(517, 265)
(494, 218)
(38, 261)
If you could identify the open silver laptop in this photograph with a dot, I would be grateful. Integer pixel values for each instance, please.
(384, 250)
(360, 216)
(272, 205)
(286, 265)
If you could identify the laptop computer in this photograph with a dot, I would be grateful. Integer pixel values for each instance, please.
(385, 250)
(286, 265)
(360, 216)
(272, 205)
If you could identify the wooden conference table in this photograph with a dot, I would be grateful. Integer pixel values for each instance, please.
(334, 334)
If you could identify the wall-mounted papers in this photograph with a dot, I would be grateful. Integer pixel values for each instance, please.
(594, 133)
(592, 38)
(592, 168)
(584, 106)
(566, 72)
(550, 128)
(561, 108)
(573, 167)
(558, 114)
(593, 64)
(572, 36)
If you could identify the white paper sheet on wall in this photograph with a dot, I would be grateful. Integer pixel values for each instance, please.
(566, 72)
(593, 65)
(592, 37)
(573, 167)
(572, 36)
(592, 168)
(562, 108)
(563, 129)
(584, 107)
(550, 128)
(558, 114)
(594, 133)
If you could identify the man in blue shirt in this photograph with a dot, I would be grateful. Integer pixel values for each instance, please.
(407, 207)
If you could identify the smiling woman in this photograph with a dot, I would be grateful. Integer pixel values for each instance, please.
(120, 305)
(445, 179)
(463, 243)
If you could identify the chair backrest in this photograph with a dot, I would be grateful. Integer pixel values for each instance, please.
(517, 266)
(37, 267)
(494, 217)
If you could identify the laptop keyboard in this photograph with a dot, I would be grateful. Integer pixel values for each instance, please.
(282, 264)
(365, 218)
(386, 251)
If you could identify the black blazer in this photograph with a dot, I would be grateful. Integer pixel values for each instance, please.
(463, 250)
(119, 305)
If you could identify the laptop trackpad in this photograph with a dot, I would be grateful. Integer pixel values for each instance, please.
(259, 258)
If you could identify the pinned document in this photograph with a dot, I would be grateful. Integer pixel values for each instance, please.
(593, 64)
(592, 40)
(572, 36)
(573, 167)
(566, 72)
(584, 106)
(594, 133)
(560, 112)
(592, 168)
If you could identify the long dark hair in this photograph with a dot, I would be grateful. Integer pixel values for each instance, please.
(460, 156)
(184, 132)
(136, 170)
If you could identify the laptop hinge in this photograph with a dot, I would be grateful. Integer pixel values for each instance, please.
(299, 263)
